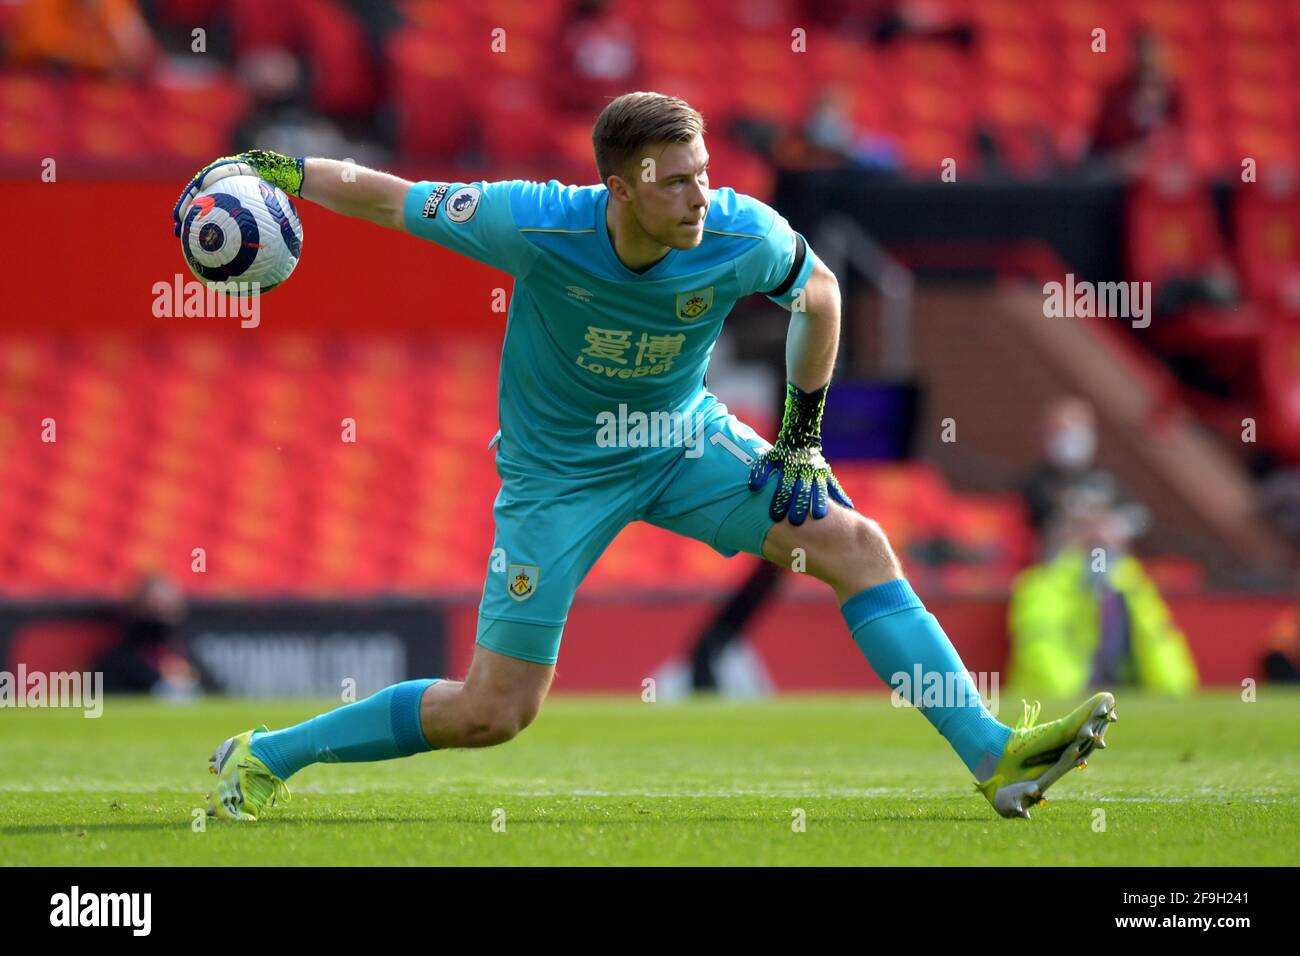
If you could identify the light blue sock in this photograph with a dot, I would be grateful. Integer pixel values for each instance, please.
(902, 642)
(383, 726)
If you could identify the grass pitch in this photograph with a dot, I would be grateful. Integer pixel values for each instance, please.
(1208, 781)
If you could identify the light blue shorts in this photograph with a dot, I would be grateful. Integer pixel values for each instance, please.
(550, 531)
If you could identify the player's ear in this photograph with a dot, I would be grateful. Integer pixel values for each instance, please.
(619, 188)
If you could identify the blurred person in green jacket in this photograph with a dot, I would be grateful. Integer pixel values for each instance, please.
(1089, 615)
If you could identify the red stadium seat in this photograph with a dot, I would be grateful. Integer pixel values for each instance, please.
(346, 80)
(1267, 226)
(1280, 423)
(1172, 229)
(435, 117)
(515, 124)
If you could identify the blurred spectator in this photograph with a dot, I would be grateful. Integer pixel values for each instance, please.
(280, 115)
(1282, 659)
(338, 48)
(1136, 108)
(1279, 496)
(1069, 434)
(1090, 615)
(720, 658)
(884, 21)
(830, 129)
(149, 657)
(98, 36)
(828, 139)
(597, 57)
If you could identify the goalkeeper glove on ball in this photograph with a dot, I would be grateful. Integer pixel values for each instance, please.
(286, 172)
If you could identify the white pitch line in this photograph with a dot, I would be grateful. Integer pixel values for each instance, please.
(494, 790)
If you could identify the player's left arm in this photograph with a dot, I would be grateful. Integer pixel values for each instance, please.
(814, 336)
(801, 283)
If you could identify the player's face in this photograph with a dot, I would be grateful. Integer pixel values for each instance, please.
(672, 206)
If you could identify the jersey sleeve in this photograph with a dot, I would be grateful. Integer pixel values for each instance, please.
(781, 265)
(474, 219)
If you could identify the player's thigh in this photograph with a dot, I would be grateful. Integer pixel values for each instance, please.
(549, 533)
(707, 495)
(708, 498)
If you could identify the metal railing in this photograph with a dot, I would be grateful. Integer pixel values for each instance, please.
(844, 245)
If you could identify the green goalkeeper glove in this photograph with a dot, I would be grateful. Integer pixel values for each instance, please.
(807, 482)
(286, 172)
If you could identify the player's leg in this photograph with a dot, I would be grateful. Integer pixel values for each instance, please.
(549, 533)
(498, 698)
(708, 498)
(898, 636)
(252, 767)
(846, 550)
(745, 604)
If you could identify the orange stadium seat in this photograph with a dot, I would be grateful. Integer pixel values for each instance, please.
(168, 445)
(1031, 77)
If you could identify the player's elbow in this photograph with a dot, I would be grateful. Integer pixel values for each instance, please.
(822, 292)
(391, 214)
(390, 209)
(392, 217)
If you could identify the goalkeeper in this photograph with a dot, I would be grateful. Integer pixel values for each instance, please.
(620, 293)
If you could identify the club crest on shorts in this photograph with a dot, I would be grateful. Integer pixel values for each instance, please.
(521, 581)
(692, 305)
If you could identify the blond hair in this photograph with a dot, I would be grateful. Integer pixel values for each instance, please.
(633, 121)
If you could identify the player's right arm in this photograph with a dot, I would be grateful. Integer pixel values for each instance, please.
(341, 187)
(474, 219)
(356, 191)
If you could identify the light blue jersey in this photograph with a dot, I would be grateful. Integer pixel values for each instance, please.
(586, 334)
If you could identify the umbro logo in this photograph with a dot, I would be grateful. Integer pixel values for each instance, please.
(579, 293)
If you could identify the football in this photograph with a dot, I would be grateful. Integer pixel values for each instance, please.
(242, 229)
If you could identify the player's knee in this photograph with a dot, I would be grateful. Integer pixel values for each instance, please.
(500, 719)
(868, 539)
(873, 547)
(488, 727)
(864, 556)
